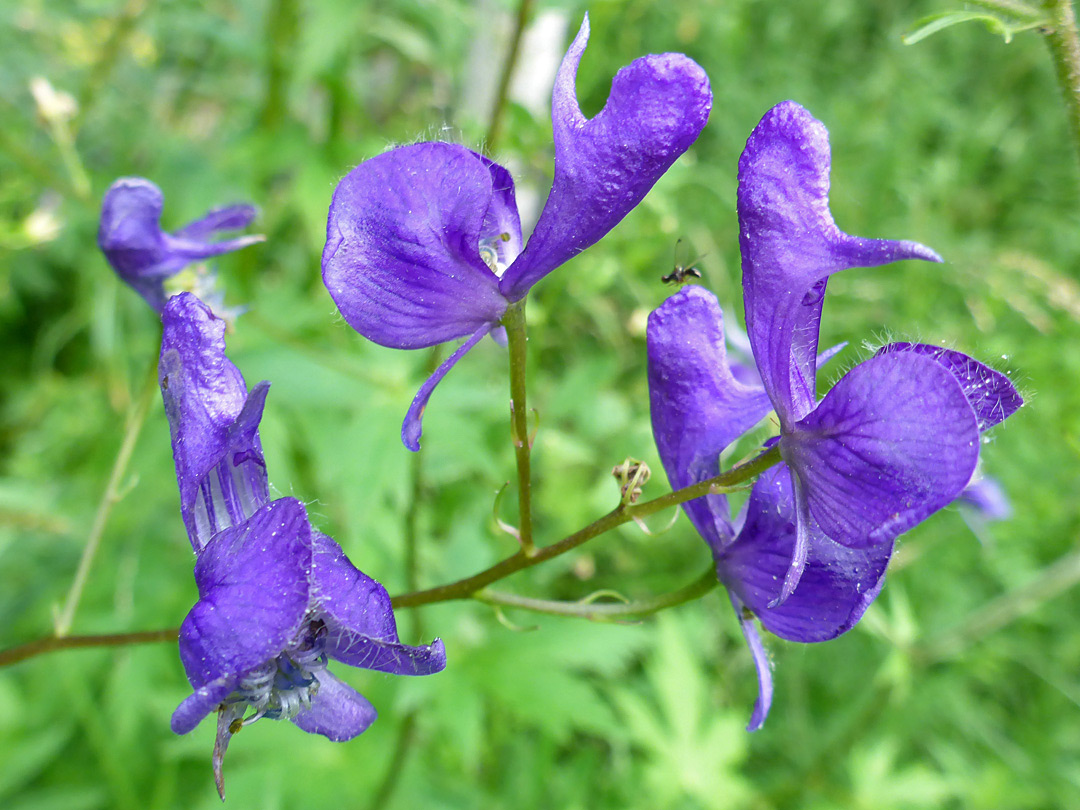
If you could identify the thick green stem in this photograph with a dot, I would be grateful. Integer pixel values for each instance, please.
(607, 612)
(1061, 37)
(136, 417)
(465, 588)
(514, 321)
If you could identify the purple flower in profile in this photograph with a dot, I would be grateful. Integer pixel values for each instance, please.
(898, 437)
(699, 407)
(277, 598)
(424, 244)
(144, 255)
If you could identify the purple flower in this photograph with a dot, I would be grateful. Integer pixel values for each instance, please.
(699, 407)
(144, 255)
(424, 244)
(277, 598)
(898, 437)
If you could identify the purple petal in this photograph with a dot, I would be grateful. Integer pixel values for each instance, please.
(337, 712)
(141, 253)
(698, 407)
(359, 619)
(837, 583)
(894, 441)
(204, 700)
(987, 499)
(253, 593)
(761, 663)
(606, 165)
(213, 421)
(990, 392)
(402, 256)
(790, 245)
(411, 428)
(227, 218)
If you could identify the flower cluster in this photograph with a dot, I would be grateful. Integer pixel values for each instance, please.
(424, 245)
(896, 439)
(277, 598)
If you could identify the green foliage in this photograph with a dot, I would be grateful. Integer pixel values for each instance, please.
(959, 143)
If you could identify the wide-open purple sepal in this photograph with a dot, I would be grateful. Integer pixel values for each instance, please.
(604, 166)
(412, 426)
(253, 593)
(991, 394)
(790, 245)
(144, 255)
(337, 712)
(698, 407)
(213, 421)
(837, 583)
(360, 621)
(402, 256)
(892, 442)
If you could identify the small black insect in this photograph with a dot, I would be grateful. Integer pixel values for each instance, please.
(682, 272)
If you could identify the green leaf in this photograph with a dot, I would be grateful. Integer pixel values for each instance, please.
(1007, 25)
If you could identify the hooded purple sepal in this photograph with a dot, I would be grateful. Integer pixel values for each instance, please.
(213, 420)
(402, 259)
(254, 591)
(892, 442)
(606, 165)
(790, 245)
(698, 407)
(991, 394)
(361, 630)
(144, 255)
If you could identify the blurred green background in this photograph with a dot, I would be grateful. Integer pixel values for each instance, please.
(959, 689)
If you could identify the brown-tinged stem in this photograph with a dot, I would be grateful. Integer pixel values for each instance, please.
(465, 588)
(54, 643)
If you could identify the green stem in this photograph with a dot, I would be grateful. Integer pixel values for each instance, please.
(609, 611)
(1015, 8)
(54, 643)
(465, 588)
(470, 586)
(514, 320)
(498, 110)
(1061, 37)
(136, 418)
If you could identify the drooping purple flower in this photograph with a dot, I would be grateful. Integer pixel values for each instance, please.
(277, 598)
(699, 407)
(898, 437)
(424, 243)
(144, 255)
